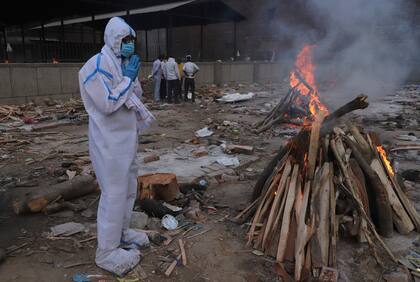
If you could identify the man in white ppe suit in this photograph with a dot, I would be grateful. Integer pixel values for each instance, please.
(110, 91)
(157, 76)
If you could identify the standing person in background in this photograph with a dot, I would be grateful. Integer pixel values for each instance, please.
(173, 77)
(190, 69)
(181, 73)
(163, 82)
(157, 77)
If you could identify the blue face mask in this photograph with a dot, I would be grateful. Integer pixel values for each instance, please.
(127, 49)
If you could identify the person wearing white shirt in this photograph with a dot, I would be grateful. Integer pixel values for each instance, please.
(163, 84)
(190, 69)
(172, 77)
(157, 76)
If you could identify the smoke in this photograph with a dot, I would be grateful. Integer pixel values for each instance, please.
(361, 46)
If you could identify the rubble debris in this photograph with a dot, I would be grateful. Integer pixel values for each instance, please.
(204, 132)
(238, 149)
(169, 222)
(411, 175)
(158, 186)
(236, 97)
(151, 158)
(138, 220)
(37, 201)
(172, 266)
(67, 229)
(183, 253)
(202, 152)
(228, 161)
(155, 209)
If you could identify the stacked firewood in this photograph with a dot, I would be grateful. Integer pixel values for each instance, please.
(325, 179)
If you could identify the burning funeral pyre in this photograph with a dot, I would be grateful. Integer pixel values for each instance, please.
(325, 180)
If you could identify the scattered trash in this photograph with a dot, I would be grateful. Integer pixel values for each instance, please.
(238, 149)
(407, 137)
(151, 158)
(172, 207)
(257, 253)
(67, 229)
(204, 132)
(71, 174)
(228, 161)
(138, 220)
(80, 278)
(169, 222)
(236, 97)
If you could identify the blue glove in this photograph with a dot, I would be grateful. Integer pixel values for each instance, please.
(132, 69)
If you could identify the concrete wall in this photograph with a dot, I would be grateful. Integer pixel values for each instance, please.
(23, 83)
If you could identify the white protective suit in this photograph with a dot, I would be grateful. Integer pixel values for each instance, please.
(157, 76)
(116, 116)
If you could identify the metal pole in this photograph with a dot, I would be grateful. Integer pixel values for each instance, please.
(169, 36)
(6, 55)
(62, 51)
(234, 40)
(93, 30)
(22, 33)
(201, 43)
(147, 47)
(43, 51)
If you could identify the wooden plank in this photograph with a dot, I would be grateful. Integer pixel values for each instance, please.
(291, 193)
(172, 266)
(384, 210)
(304, 232)
(363, 144)
(323, 233)
(314, 144)
(408, 205)
(332, 260)
(400, 217)
(276, 202)
(183, 254)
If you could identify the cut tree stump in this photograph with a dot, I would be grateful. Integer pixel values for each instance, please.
(158, 186)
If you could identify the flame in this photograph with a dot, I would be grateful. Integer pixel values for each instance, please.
(385, 160)
(305, 68)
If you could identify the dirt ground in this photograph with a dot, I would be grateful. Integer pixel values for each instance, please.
(220, 254)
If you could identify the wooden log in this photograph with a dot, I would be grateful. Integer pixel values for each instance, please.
(55, 207)
(361, 141)
(314, 145)
(400, 217)
(360, 102)
(287, 214)
(172, 266)
(385, 223)
(323, 230)
(262, 206)
(277, 198)
(183, 253)
(270, 171)
(77, 187)
(408, 205)
(304, 231)
(359, 180)
(332, 260)
(274, 233)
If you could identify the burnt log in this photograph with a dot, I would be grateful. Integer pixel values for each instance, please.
(384, 210)
(77, 187)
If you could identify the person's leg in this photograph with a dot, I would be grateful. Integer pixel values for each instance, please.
(186, 87)
(170, 91)
(162, 89)
(176, 90)
(131, 237)
(193, 89)
(157, 89)
(111, 211)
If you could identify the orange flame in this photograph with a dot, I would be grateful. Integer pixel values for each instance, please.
(305, 68)
(385, 160)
